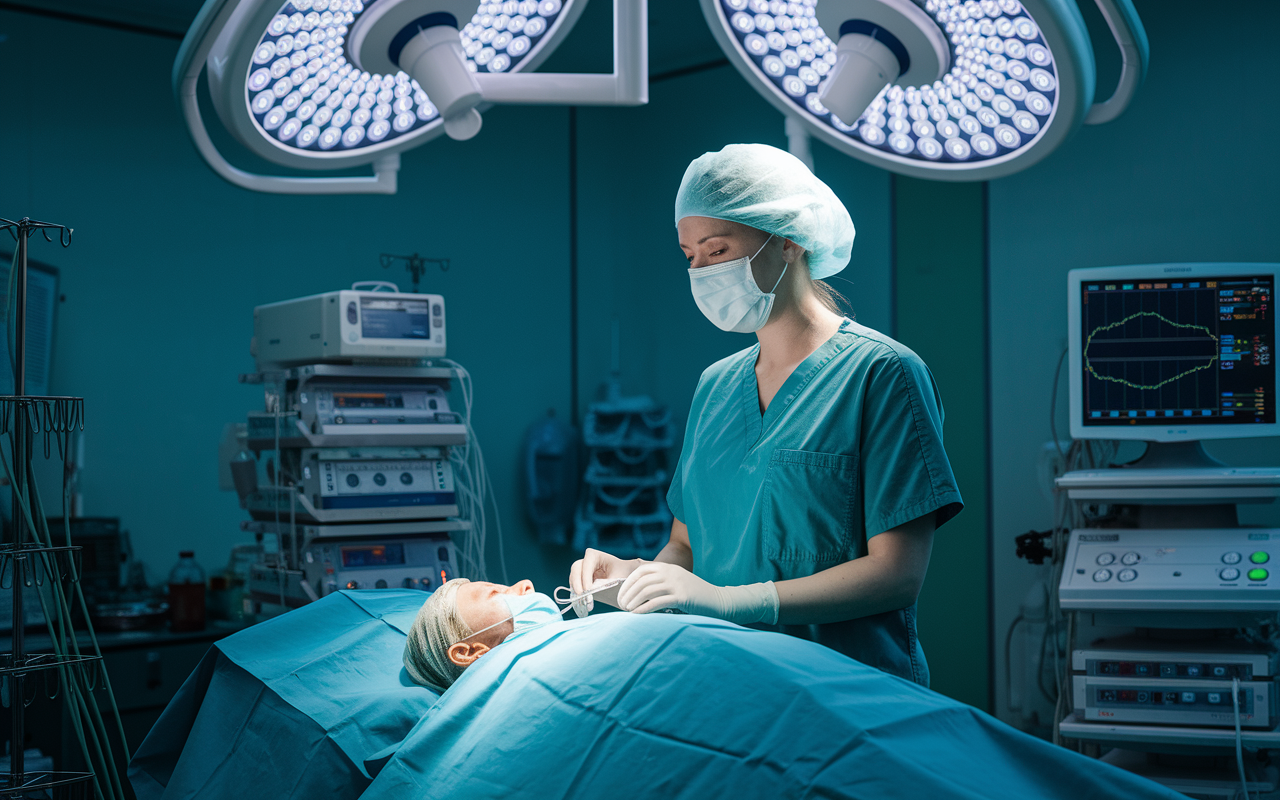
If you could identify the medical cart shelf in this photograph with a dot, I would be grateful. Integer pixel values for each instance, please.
(1075, 726)
(348, 371)
(294, 433)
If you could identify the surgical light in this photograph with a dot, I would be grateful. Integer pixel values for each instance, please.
(1001, 83)
(330, 84)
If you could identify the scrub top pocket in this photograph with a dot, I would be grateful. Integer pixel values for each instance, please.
(809, 507)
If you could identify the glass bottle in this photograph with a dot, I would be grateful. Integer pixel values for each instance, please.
(186, 594)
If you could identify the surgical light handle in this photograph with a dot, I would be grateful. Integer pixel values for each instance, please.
(383, 181)
(1135, 53)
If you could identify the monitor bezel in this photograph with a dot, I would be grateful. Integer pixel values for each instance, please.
(1075, 358)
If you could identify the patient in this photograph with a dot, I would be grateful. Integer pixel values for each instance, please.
(463, 620)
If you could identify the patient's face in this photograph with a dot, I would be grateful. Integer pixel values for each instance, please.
(480, 603)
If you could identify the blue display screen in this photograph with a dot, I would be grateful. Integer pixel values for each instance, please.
(374, 555)
(1192, 352)
(394, 319)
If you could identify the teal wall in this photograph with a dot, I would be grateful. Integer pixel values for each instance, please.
(1180, 176)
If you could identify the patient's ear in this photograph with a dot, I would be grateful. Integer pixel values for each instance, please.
(464, 654)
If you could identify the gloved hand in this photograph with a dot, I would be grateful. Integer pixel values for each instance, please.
(593, 568)
(655, 585)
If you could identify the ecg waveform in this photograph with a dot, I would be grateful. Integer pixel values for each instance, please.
(1102, 328)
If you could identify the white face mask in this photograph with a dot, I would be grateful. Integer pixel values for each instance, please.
(729, 296)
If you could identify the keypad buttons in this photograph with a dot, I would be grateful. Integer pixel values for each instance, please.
(1127, 575)
(1106, 558)
(1213, 697)
(1188, 697)
(1229, 574)
(1102, 575)
(1259, 557)
(1230, 558)
(1130, 558)
(1257, 574)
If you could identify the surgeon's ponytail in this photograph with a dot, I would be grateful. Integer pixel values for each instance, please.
(832, 300)
(835, 302)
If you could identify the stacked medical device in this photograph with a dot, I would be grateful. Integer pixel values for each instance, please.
(623, 507)
(1172, 604)
(358, 473)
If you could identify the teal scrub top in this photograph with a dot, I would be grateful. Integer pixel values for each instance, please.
(850, 447)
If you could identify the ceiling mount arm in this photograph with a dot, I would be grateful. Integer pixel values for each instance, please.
(1135, 52)
(186, 76)
(628, 85)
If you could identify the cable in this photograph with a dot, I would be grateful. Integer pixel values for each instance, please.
(1053, 405)
(1008, 668)
(1235, 706)
(473, 474)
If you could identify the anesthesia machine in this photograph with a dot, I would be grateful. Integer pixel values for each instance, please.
(358, 473)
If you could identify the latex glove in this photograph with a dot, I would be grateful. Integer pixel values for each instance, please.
(596, 567)
(656, 585)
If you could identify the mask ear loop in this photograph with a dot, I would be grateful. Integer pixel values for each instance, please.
(510, 619)
(785, 264)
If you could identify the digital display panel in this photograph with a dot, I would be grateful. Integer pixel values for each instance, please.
(394, 319)
(1194, 352)
(373, 555)
(368, 400)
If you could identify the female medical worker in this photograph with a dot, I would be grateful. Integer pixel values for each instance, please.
(812, 475)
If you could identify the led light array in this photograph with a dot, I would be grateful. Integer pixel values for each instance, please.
(501, 34)
(999, 94)
(303, 92)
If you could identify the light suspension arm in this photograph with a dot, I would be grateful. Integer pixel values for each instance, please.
(208, 26)
(1135, 52)
(628, 85)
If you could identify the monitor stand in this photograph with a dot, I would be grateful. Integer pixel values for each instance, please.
(1176, 485)
(1176, 456)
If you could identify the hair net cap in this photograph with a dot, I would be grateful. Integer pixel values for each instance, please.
(773, 191)
(435, 629)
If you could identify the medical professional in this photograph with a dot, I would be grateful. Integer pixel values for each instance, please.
(812, 475)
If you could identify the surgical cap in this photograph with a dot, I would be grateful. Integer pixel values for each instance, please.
(773, 191)
(437, 627)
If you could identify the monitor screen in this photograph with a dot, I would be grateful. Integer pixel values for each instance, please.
(1190, 351)
(394, 319)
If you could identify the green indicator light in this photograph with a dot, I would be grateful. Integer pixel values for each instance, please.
(1257, 574)
(1259, 557)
